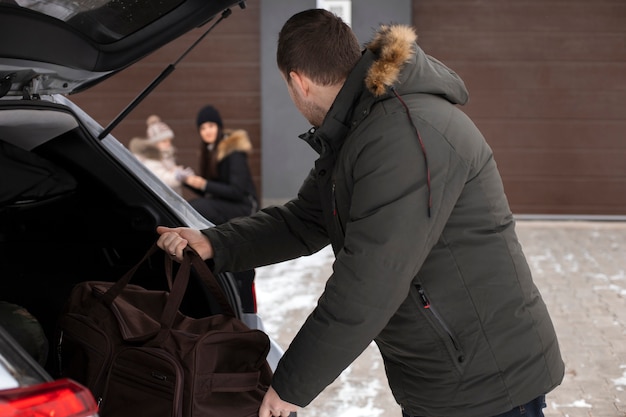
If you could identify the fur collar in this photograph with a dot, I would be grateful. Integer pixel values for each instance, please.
(233, 141)
(394, 47)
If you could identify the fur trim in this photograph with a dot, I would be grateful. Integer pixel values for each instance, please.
(234, 141)
(393, 45)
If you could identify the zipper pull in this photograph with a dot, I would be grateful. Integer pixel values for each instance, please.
(333, 200)
(423, 297)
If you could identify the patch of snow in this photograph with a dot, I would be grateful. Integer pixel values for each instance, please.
(621, 382)
(575, 404)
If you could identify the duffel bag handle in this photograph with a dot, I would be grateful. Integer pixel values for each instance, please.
(116, 289)
(204, 272)
(179, 287)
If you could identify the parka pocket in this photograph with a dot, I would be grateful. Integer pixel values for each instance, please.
(441, 327)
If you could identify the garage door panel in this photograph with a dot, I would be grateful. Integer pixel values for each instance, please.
(547, 84)
(565, 104)
(237, 47)
(514, 134)
(217, 78)
(524, 47)
(553, 164)
(521, 16)
(545, 76)
(567, 196)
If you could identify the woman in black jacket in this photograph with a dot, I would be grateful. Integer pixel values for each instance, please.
(225, 183)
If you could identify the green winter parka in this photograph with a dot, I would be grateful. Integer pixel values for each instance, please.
(428, 264)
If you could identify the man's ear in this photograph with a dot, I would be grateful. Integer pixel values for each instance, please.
(301, 82)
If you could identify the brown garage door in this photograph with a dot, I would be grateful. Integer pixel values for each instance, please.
(547, 82)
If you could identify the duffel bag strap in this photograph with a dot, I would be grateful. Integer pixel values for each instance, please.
(108, 297)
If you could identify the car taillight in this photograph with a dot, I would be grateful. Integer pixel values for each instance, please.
(254, 308)
(61, 398)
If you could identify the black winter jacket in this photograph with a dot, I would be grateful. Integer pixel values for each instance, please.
(232, 193)
(443, 288)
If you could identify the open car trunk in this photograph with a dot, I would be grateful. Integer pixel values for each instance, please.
(71, 212)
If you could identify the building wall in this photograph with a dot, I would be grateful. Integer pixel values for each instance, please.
(547, 82)
(287, 159)
(223, 70)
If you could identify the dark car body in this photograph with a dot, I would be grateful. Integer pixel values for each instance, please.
(75, 204)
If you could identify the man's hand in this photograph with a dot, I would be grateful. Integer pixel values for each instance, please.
(173, 241)
(272, 405)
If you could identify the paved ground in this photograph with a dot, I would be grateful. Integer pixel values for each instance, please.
(580, 268)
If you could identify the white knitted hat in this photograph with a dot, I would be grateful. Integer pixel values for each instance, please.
(158, 130)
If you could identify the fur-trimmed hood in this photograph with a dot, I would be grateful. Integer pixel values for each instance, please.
(392, 62)
(233, 141)
(402, 64)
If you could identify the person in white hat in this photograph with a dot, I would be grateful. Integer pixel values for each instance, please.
(157, 153)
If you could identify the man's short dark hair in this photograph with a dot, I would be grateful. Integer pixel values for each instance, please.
(318, 44)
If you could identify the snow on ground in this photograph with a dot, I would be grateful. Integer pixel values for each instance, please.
(286, 294)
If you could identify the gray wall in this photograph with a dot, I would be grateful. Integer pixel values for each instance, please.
(286, 159)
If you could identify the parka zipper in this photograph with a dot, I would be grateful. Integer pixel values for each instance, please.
(334, 206)
(435, 314)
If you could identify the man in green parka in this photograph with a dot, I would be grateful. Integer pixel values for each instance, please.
(428, 264)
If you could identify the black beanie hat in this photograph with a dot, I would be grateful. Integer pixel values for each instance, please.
(209, 114)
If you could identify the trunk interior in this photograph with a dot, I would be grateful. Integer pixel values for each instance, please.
(69, 212)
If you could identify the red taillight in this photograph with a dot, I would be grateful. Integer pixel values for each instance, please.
(253, 289)
(61, 398)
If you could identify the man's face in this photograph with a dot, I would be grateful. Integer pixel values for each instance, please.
(311, 111)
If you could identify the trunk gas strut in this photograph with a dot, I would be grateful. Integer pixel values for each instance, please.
(166, 72)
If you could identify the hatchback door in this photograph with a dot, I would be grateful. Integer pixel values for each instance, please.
(65, 46)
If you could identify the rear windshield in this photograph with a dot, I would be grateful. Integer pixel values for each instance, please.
(103, 21)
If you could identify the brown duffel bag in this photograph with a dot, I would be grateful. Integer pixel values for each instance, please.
(140, 356)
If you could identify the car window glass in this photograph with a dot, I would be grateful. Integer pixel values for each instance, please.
(103, 21)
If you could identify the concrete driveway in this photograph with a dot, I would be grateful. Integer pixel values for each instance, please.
(580, 269)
